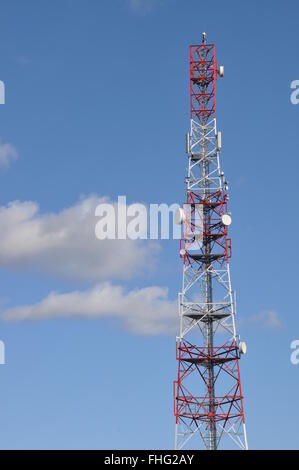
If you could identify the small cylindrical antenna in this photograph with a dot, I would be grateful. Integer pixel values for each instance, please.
(219, 141)
(188, 143)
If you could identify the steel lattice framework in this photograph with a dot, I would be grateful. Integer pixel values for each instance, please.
(208, 399)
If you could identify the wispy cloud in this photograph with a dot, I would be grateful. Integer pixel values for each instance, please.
(268, 319)
(142, 6)
(144, 311)
(64, 243)
(23, 60)
(8, 154)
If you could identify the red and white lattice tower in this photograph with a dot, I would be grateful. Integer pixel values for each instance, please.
(208, 401)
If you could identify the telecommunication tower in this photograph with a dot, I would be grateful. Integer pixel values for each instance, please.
(208, 400)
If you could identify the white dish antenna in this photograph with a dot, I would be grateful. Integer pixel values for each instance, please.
(179, 216)
(226, 219)
(242, 347)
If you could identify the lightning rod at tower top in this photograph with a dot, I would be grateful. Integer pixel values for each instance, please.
(208, 398)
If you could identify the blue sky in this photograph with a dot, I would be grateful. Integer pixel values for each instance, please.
(97, 106)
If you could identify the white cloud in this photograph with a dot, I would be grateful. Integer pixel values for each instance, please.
(65, 244)
(144, 311)
(23, 60)
(8, 154)
(266, 319)
(142, 6)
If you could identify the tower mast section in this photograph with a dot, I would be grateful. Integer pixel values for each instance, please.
(208, 399)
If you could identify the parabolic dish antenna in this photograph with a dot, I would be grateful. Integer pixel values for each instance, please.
(226, 219)
(179, 216)
(242, 347)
